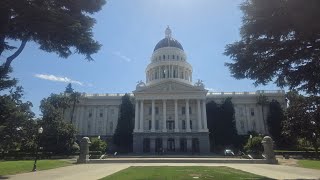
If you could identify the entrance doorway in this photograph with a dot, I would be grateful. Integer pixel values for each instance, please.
(183, 145)
(195, 145)
(158, 145)
(146, 145)
(171, 145)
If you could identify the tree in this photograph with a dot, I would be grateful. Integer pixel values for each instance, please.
(69, 89)
(58, 135)
(303, 119)
(221, 123)
(73, 98)
(274, 121)
(213, 114)
(16, 121)
(262, 100)
(57, 26)
(279, 43)
(123, 134)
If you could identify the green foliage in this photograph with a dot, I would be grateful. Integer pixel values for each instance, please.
(97, 145)
(58, 135)
(279, 43)
(221, 124)
(69, 89)
(275, 120)
(123, 135)
(254, 145)
(63, 27)
(303, 118)
(16, 121)
(75, 147)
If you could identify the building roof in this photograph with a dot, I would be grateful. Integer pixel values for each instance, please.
(168, 42)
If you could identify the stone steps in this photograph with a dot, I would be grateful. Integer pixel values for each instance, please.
(179, 160)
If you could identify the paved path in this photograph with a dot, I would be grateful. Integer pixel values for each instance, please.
(96, 171)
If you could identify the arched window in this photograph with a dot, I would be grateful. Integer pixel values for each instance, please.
(164, 57)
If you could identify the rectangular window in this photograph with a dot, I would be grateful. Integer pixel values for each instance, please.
(90, 114)
(190, 124)
(190, 110)
(101, 113)
(150, 124)
(183, 110)
(183, 124)
(157, 124)
(150, 110)
(157, 110)
(252, 111)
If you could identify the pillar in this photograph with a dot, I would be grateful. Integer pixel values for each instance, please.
(188, 116)
(164, 125)
(199, 115)
(176, 126)
(177, 144)
(136, 117)
(141, 116)
(189, 144)
(152, 144)
(152, 116)
(204, 115)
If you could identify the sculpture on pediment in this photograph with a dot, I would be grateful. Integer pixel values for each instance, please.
(140, 84)
(199, 83)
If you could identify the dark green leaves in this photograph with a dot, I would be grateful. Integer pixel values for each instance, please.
(280, 42)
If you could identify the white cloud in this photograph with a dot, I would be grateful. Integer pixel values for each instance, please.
(123, 57)
(51, 77)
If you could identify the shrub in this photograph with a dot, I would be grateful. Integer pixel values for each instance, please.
(254, 145)
(98, 145)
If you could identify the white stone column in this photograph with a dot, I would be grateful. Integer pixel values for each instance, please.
(199, 115)
(204, 115)
(141, 116)
(136, 118)
(152, 116)
(176, 125)
(188, 115)
(94, 121)
(164, 125)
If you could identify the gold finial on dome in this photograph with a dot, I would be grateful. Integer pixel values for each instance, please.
(168, 32)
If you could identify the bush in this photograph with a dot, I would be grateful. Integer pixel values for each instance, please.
(254, 145)
(98, 145)
(75, 148)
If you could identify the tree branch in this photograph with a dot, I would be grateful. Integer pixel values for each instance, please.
(14, 55)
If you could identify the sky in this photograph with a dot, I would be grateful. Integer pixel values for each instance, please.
(128, 31)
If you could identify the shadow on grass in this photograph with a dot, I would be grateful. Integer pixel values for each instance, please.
(4, 177)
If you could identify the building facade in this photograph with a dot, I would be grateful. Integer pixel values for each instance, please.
(170, 110)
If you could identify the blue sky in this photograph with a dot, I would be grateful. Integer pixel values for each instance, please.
(128, 31)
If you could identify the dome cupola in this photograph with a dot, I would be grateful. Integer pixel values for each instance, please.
(168, 61)
(168, 41)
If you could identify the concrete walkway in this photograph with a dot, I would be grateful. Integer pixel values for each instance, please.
(97, 171)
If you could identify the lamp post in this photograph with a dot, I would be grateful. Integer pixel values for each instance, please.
(40, 130)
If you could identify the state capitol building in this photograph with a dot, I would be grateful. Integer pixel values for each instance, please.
(170, 109)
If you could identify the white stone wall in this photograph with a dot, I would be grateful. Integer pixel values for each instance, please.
(248, 113)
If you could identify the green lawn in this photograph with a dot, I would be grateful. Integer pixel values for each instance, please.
(180, 172)
(313, 164)
(15, 167)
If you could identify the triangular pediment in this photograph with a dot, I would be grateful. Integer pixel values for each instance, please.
(170, 86)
